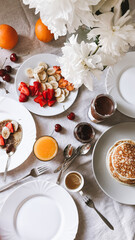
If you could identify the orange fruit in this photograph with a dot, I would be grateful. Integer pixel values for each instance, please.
(42, 32)
(8, 36)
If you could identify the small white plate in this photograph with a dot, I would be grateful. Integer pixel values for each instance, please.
(11, 109)
(120, 84)
(32, 62)
(114, 189)
(39, 210)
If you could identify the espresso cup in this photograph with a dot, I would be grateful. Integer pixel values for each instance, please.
(73, 181)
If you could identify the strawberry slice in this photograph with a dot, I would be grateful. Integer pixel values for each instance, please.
(45, 94)
(37, 99)
(42, 102)
(25, 90)
(2, 142)
(9, 125)
(37, 86)
(51, 102)
(23, 97)
(32, 90)
(22, 84)
(51, 93)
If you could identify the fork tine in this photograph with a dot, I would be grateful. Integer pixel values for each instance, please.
(42, 169)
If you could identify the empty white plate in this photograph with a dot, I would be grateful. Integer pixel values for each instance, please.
(114, 189)
(39, 210)
(120, 84)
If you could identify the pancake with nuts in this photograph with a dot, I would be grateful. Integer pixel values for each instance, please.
(121, 161)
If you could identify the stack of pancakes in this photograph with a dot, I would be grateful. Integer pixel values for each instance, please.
(121, 161)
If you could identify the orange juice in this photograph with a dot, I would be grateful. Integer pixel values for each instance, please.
(45, 148)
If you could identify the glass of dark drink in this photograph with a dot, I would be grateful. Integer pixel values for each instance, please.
(101, 108)
(84, 132)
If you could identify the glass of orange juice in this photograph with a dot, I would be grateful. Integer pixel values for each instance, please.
(45, 148)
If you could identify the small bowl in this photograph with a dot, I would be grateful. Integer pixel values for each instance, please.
(84, 132)
(73, 189)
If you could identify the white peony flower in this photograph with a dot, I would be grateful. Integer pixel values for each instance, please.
(116, 32)
(79, 63)
(64, 15)
(105, 5)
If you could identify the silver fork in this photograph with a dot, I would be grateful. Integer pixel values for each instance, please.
(89, 202)
(35, 172)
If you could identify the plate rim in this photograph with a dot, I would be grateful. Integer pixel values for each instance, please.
(93, 152)
(129, 114)
(34, 127)
(44, 115)
(34, 194)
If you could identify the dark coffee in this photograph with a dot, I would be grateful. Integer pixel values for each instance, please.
(101, 108)
(73, 180)
(84, 132)
(104, 106)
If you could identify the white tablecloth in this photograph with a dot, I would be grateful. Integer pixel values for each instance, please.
(91, 226)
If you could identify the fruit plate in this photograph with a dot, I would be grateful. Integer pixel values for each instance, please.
(118, 191)
(33, 107)
(39, 210)
(13, 110)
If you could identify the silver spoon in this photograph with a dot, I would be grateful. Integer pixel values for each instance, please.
(10, 151)
(81, 150)
(68, 151)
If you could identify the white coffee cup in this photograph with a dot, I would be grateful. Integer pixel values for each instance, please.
(73, 181)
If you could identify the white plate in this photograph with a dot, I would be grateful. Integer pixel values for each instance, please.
(120, 84)
(39, 210)
(114, 189)
(11, 109)
(32, 62)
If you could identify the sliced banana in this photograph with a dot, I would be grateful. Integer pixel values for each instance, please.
(54, 84)
(51, 71)
(39, 69)
(43, 64)
(61, 98)
(57, 92)
(29, 72)
(63, 92)
(36, 77)
(51, 78)
(66, 92)
(15, 125)
(42, 75)
(48, 86)
(5, 132)
(43, 86)
(57, 76)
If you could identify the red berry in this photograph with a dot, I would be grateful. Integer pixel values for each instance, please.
(6, 77)
(45, 94)
(22, 84)
(25, 90)
(51, 93)
(13, 57)
(37, 86)
(32, 90)
(2, 72)
(8, 69)
(23, 97)
(37, 99)
(2, 142)
(58, 127)
(51, 102)
(9, 125)
(71, 116)
(42, 102)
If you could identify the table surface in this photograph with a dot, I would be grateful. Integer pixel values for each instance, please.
(91, 226)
